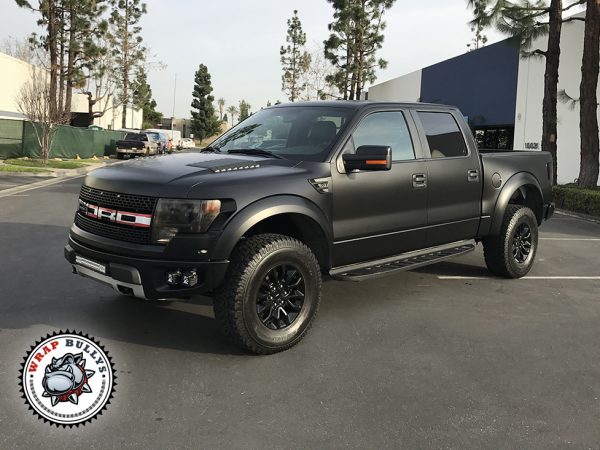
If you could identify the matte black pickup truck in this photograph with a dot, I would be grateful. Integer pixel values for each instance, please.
(350, 190)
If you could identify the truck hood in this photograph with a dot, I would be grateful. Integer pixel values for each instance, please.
(176, 175)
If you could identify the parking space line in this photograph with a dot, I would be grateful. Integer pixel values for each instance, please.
(568, 239)
(560, 277)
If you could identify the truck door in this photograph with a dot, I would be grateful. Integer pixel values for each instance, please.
(454, 177)
(381, 213)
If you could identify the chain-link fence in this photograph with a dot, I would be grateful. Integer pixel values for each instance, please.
(18, 139)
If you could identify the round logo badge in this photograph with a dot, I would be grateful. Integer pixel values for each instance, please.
(67, 378)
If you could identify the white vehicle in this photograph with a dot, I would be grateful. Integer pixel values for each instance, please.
(187, 143)
(173, 135)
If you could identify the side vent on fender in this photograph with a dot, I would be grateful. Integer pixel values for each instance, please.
(321, 184)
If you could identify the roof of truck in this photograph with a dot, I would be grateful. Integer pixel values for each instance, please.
(357, 104)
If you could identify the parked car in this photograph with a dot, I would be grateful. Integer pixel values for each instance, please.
(187, 143)
(173, 136)
(352, 190)
(137, 144)
(160, 140)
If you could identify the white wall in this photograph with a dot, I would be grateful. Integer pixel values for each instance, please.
(530, 92)
(406, 88)
(14, 73)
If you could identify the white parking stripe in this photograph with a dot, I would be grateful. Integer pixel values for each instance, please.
(456, 277)
(568, 239)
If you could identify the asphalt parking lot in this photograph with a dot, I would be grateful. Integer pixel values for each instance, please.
(444, 357)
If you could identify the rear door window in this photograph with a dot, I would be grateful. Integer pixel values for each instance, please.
(443, 135)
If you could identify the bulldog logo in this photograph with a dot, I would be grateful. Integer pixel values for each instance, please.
(67, 378)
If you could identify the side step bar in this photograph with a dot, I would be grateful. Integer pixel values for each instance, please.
(398, 263)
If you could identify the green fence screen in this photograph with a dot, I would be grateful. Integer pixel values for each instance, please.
(18, 139)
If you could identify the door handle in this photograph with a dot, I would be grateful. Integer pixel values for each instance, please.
(419, 180)
(473, 175)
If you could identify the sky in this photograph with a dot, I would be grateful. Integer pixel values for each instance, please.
(239, 41)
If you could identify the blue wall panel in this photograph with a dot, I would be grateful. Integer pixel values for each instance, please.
(482, 83)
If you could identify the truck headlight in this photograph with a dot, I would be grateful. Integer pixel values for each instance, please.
(182, 216)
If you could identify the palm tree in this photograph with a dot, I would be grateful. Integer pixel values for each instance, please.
(529, 20)
(232, 111)
(221, 103)
(588, 101)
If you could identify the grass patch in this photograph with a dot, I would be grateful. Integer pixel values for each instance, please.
(51, 164)
(8, 168)
(576, 199)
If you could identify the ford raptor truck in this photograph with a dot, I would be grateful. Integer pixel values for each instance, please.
(347, 190)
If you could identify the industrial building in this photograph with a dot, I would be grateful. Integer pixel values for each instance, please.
(500, 93)
(14, 73)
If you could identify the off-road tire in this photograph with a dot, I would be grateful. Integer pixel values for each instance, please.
(498, 250)
(235, 301)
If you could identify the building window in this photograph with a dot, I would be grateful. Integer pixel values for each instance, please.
(494, 138)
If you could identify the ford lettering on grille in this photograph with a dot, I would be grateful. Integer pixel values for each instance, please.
(114, 215)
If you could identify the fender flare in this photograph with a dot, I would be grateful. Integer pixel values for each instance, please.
(513, 184)
(263, 209)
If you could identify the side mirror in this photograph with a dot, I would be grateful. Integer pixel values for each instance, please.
(369, 157)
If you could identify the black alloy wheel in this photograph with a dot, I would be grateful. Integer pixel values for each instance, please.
(280, 296)
(521, 245)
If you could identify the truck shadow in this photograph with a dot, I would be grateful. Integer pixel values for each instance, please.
(38, 289)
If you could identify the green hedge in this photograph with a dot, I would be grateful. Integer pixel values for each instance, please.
(571, 198)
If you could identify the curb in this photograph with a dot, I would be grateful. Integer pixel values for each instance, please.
(586, 217)
(57, 173)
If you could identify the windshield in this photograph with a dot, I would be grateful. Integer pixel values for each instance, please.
(301, 133)
(153, 136)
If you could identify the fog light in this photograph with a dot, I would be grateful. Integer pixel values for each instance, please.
(189, 279)
(174, 278)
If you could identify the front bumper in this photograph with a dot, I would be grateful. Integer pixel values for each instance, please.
(144, 277)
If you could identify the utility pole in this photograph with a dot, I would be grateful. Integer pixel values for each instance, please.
(173, 117)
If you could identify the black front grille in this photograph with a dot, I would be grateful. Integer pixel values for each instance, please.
(114, 231)
(124, 202)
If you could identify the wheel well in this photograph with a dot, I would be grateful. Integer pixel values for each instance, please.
(300, 227)
(530, 196)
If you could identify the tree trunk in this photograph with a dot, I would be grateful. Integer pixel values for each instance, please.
(588, 101)
(125, 73)
(52, 49)
(61, 62)
(70, 59)
(549, 119)
(360, 50)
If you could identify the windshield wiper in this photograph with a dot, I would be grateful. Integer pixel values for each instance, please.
(210, 149)
(255, 151)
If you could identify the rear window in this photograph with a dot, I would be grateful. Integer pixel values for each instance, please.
(134, 137)
(443, 135)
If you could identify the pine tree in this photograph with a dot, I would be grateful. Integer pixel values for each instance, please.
(244, 110)
(356, 36)
(204, 121)
(128, 47)
(292, 57)
(142, 99)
